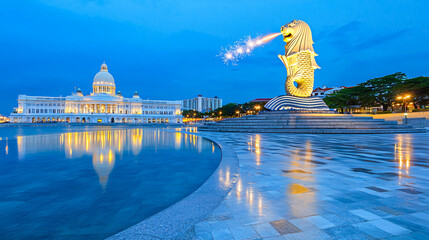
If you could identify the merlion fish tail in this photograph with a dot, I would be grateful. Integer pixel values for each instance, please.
(300, 70)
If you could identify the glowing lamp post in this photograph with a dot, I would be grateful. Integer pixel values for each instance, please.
(257, 107)
(404, 99)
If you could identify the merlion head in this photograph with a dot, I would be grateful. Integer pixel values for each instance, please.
(297, 35)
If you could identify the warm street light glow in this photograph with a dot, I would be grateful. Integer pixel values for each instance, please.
(404, 98)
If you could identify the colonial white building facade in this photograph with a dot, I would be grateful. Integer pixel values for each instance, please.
(202, 104)
(103, 105)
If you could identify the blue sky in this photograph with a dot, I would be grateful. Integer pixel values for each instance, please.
(167, 49)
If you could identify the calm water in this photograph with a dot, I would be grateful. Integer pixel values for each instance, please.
(93, 184)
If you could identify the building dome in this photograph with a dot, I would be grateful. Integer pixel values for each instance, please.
(103, 81)
(103, 77)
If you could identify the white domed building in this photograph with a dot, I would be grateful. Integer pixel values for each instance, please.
(103, 105)
(104, 82)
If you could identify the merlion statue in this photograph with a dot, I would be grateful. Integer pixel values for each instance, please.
(299, 58)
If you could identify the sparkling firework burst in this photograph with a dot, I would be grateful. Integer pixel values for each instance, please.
(243, 48)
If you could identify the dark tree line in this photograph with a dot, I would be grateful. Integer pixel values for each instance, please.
(228, 110)
(382, 91)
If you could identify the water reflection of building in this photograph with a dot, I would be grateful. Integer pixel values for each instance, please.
(103, 146)
(107, 147)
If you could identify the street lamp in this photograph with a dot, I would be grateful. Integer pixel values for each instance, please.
(404, 99)
(257, 107)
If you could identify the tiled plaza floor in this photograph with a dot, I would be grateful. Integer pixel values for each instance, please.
(324, 187)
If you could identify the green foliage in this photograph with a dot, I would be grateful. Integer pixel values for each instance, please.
(417, 87)
(230, 109)
(227, 110)
(192, 114)
(348, 97)
(381, 91)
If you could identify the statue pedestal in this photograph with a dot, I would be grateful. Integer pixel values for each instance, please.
(298, 104)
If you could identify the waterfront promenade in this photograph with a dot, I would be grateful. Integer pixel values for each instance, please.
(324, 187)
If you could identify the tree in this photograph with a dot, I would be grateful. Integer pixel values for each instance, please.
(383, 90)
(374, 92)
(347, 97)
(192, 114)
(228, 110)
(418, 88)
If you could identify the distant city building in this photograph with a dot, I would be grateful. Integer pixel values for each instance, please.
(324, 91)
(202, 104)
(103, 105)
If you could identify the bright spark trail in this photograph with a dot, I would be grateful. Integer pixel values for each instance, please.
(243, 48)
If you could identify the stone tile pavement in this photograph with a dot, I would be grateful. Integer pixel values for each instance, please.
(324, 187)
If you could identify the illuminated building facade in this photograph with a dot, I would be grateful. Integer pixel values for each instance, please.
(103, 105)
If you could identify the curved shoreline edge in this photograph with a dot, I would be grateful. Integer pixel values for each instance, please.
(177, 221)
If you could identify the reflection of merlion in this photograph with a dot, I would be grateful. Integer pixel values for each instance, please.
(103, 162)
(299, 58)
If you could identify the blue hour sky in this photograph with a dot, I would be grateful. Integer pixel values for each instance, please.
(167, 49)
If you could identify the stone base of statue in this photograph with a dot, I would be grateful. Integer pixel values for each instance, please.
(294, 104)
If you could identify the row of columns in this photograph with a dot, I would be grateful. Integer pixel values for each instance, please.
(104, 89)
(99, 108)
(94, 120)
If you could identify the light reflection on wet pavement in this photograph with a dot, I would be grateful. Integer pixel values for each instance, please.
(324, 187)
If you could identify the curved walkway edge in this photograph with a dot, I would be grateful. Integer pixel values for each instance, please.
(176, 221)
